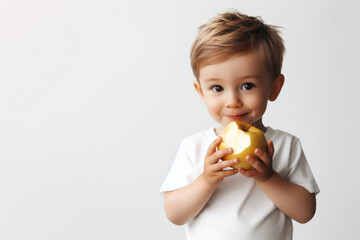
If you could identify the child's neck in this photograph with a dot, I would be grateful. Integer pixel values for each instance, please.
(260, 126)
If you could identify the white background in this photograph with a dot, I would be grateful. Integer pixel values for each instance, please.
(95, 97)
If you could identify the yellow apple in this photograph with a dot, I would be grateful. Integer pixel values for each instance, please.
(243, 139)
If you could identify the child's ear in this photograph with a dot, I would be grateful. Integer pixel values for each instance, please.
(199, 89)
(276, 88)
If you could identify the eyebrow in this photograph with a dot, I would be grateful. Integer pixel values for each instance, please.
(212, 79)
(252, 76)
(245, 77)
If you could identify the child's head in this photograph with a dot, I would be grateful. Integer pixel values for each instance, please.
(232, 33)
(237, 63)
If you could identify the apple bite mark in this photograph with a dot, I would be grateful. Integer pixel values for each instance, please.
(243, 138)
(237, 140)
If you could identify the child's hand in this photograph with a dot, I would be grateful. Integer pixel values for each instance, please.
(262, 165)
(213, 169)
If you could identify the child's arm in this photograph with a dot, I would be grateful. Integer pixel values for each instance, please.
(185, 203)
(292, 199)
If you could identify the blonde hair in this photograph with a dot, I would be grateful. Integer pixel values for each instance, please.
(232, 33)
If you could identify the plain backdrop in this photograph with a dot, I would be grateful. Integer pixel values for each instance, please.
(95, 97)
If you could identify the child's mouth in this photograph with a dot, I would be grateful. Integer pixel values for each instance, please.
(237, 117)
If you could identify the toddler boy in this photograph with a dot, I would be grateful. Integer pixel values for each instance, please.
(237, 62)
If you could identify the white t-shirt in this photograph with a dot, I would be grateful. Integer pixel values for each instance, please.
(239, 209)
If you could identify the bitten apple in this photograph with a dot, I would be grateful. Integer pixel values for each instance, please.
(243, 139)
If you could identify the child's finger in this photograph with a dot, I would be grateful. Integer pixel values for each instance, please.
(248, 173)
(212, 147)
(264, 156)
(214, 158)
(228, 173)
(224, 164)
(255, 163)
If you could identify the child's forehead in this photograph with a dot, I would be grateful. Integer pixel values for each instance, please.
(239, 65)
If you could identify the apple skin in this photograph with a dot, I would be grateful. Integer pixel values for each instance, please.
(243, 139)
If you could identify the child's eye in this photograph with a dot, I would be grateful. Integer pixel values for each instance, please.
(247, 86)
(217, 88)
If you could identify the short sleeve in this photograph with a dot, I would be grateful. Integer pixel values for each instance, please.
(181, 172)
(299, 170)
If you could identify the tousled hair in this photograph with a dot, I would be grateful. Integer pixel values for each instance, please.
(233, 33)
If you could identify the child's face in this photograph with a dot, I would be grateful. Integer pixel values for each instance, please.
(238, 89)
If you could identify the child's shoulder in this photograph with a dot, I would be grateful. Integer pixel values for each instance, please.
(204, 137)
(194, 146)
(287, 146)
(280, 135)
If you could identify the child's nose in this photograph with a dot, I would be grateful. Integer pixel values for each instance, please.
(233, 100)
